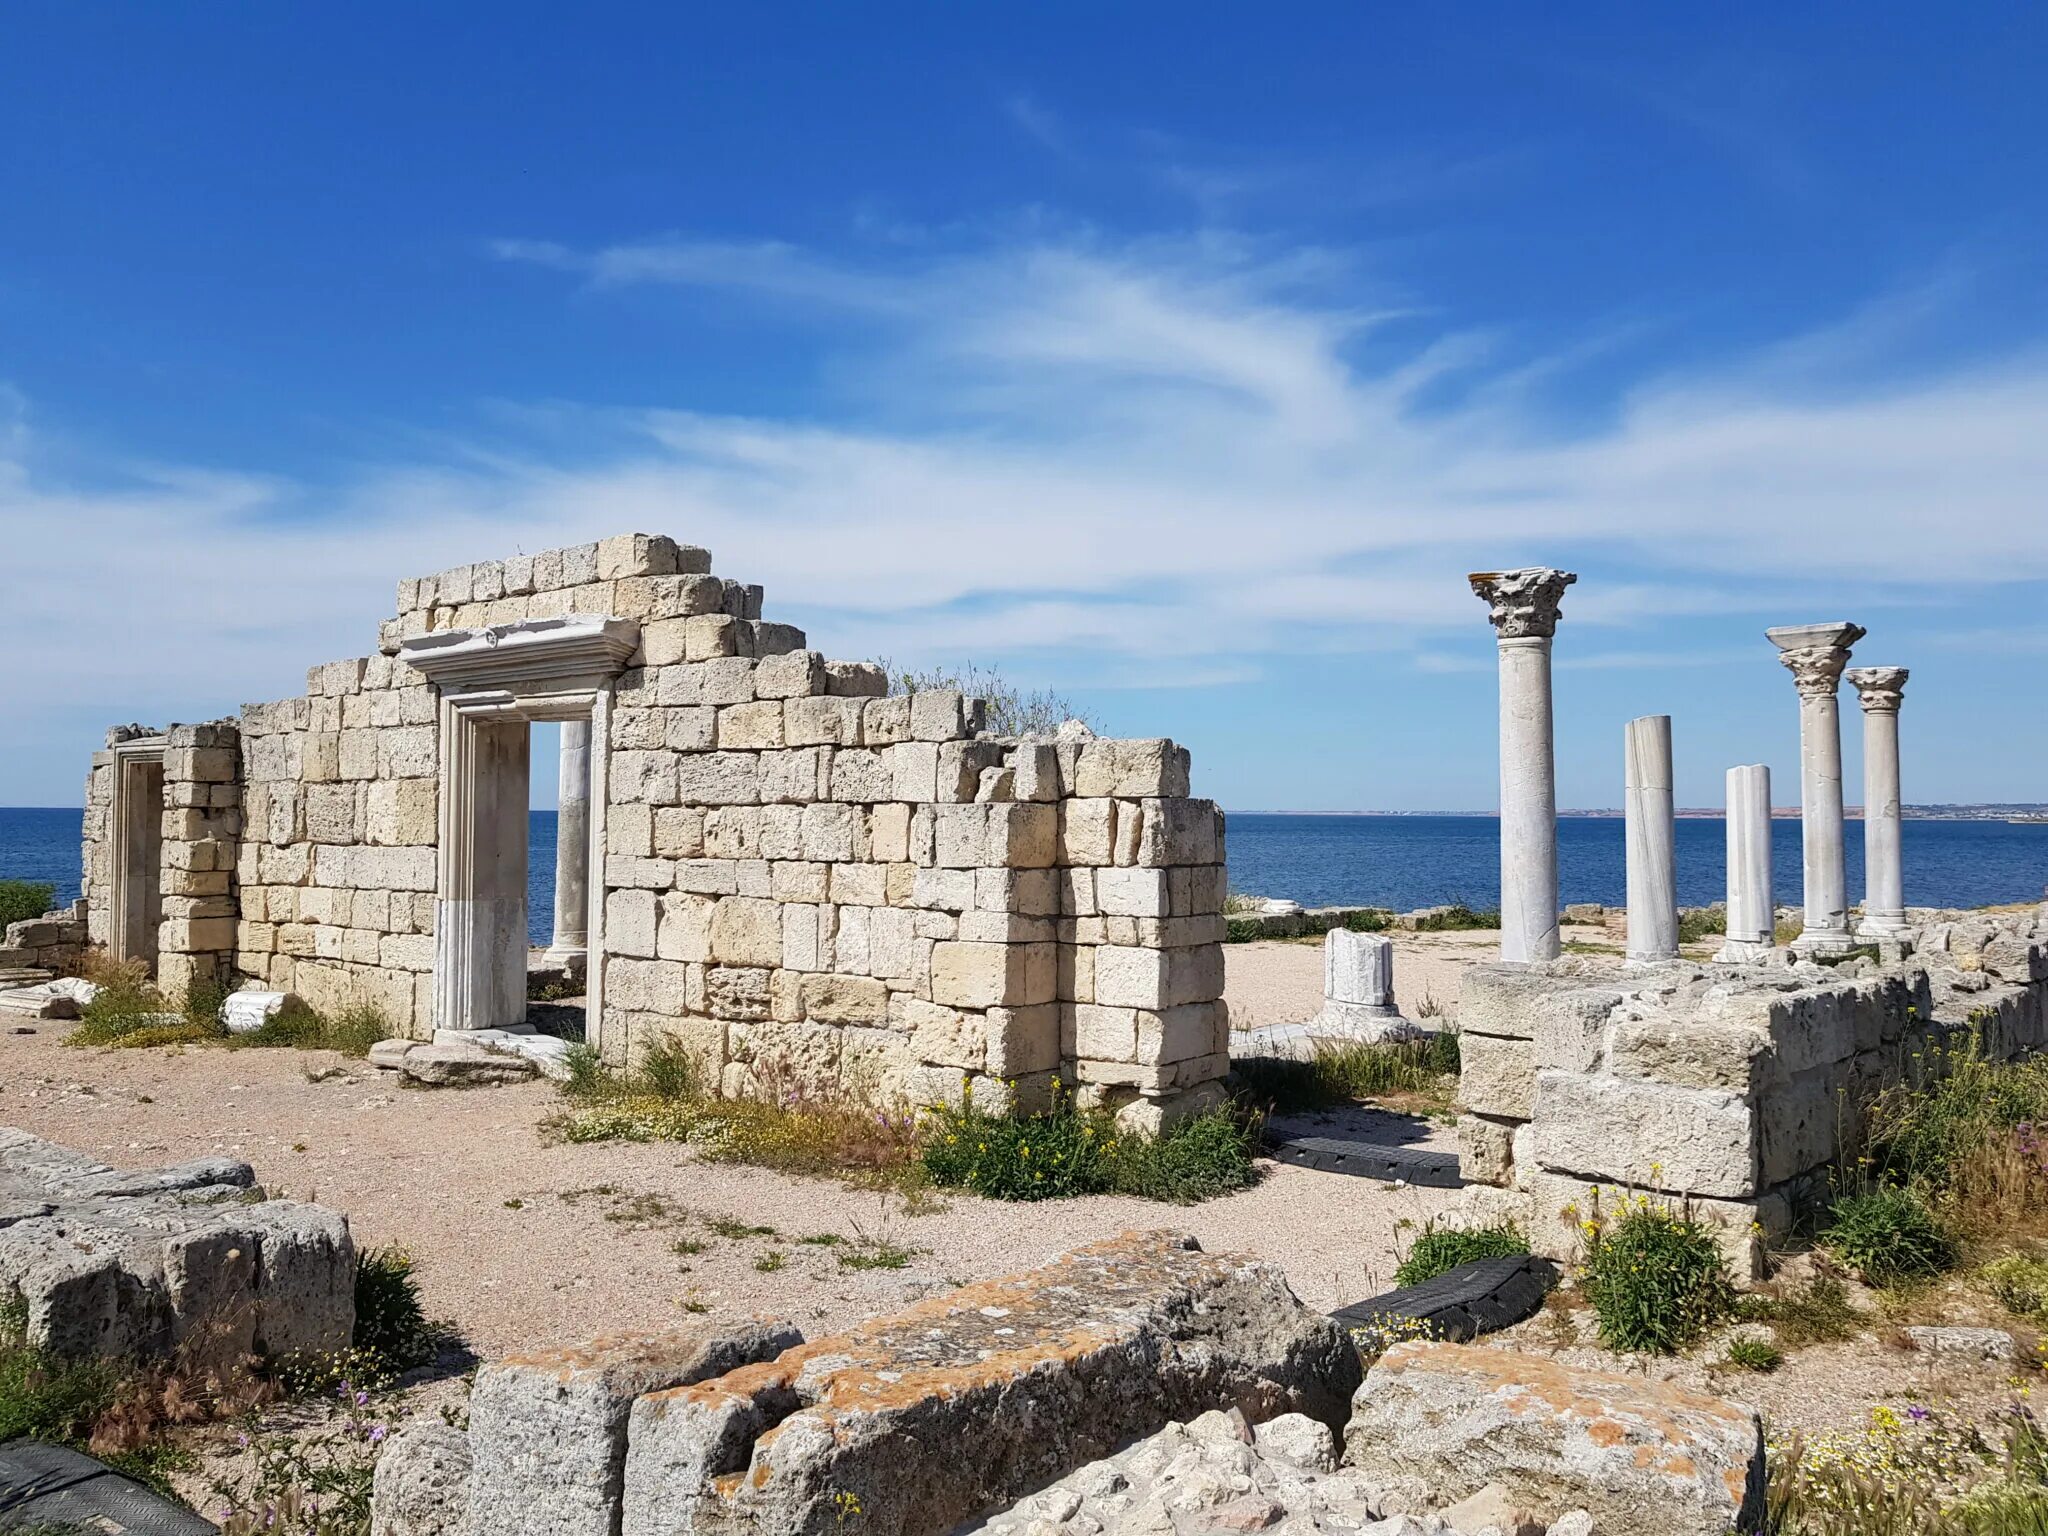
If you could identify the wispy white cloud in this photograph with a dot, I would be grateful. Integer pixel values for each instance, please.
(1155, 460)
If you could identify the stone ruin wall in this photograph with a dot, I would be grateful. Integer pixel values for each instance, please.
(1737, 1089)
(865, 890)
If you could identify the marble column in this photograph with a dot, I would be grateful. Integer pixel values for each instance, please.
(1523, 607)
(572, 848)
(1884, 882)
(1752, 912)
(1652, 869)
(1815, 654)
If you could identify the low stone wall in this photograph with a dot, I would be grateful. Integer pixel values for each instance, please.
(903, 1426)
(56, 941)
(1733, 1087)
(189, 1261)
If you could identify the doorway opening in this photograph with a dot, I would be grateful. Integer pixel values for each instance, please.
(495, 685)
(136, 854)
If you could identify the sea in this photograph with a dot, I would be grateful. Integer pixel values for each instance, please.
(1400, 862)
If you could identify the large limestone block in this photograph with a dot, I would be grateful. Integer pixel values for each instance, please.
(548, 1430)
(1436, 1423)
(924, 1419)
(1497, 1076)
(1697, 1141)
(421, 1484)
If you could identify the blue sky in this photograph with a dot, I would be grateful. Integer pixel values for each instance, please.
(1177, 358)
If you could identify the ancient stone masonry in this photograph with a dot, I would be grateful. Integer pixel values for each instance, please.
(796, 876)
(1733, 1087)
(190, 1260)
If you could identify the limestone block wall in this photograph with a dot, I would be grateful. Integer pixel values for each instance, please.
(1734, 1088)
(803, 879)
(202, 837)
(808, 879)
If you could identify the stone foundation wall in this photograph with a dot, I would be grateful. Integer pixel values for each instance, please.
(56, 941)
(1736, 1088)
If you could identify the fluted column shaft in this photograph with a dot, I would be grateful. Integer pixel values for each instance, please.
(1752, 913)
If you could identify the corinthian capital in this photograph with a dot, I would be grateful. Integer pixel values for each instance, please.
(1815, 654)
(1879, 689)
(1523, 603)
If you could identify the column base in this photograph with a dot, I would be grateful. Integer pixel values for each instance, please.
(1824, 941)
(1634, 959)
(1746, 952)
(573, 959)
(1878, 926)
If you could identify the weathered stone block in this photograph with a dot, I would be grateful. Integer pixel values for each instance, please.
(548, 1431)
(1435, 1423)
(421, 1483)
(1497, 1076)
(1700, 1141)
(1019, 1380)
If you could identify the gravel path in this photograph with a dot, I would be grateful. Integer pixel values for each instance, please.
(523, 1244)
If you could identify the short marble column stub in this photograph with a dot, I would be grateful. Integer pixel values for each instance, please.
(1651, 837)
(572, 848)
(1815, 654)
(1523, 608)
(1880, 690)
(1358, 1002)
(1752, 914)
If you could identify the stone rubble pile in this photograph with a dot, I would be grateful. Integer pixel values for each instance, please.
(190, 1260)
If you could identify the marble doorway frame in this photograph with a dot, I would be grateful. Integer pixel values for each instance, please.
(510, 675)
(135, 851)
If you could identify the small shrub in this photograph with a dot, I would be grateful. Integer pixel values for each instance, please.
(1439, 1249)
(1759, 1355)
(2020, 1283)
(1198, 1159)
(1655, 1278)
(21, 900)
(1066, 1151)
(589, 1078)
(667, 1071)
(391, 1327)
(1889, 1235)
(297, 1027)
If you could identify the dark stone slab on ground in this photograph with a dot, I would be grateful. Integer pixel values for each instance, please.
(1462, 1303)
(49, 1486)
(1370, 1160)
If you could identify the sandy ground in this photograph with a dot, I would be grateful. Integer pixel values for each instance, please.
(521, 1244)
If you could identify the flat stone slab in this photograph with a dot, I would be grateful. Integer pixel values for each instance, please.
(1435, 1424)
(944, 1411)
(190, 1258)
(1458, 1305)
(46, 1487)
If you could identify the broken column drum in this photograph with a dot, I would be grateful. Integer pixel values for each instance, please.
(1815, 654)
(1523, 608)
(1652, 869)
(1880, 690)
(1752, 919)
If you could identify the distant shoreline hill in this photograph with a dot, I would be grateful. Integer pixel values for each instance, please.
(2020, 810)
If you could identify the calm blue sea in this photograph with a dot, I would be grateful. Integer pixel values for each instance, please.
(1392, 861)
